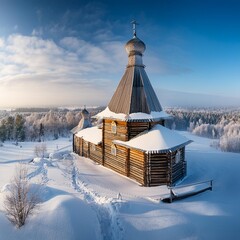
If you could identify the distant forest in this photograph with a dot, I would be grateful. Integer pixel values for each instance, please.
(221, 125)
(38, 125)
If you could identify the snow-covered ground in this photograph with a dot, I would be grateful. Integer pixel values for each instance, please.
(84, 200)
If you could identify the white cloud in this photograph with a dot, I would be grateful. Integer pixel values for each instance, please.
(72, 57)
(1, 42)
(31, 62)
(69, 70)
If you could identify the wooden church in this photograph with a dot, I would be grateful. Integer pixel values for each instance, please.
(130, 137)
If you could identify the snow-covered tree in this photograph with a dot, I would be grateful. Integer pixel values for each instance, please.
(10, 128)
(3, 132)
(19, 128)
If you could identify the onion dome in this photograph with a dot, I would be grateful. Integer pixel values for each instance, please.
(135, 46)
(85, 113)
(134, 93)
(135, 49)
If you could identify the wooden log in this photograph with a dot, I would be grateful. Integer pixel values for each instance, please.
(137, 163)
(127, 163)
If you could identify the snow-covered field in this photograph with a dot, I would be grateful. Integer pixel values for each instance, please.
(83, 200)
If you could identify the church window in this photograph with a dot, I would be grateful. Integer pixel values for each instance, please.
(178, 156)
(113, 150)
(114, 127)
(93, 147)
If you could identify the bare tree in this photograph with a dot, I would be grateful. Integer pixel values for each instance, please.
(22, 199)
(40, 150)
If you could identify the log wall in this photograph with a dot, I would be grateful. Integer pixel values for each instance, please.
(115, 162)
(148, 169)
(95, 153)
(87, 149)
(134, 128)
(162, 168)
(158, 169)
(128, 162)
(76, 144)
(137, 166)
(179, 169)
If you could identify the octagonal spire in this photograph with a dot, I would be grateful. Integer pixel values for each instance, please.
(134, 93)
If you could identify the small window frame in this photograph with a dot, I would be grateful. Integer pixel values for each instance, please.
(113, 150)
(93, 147)
(114, 127)
(178, 157)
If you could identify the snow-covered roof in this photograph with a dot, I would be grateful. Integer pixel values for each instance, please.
(158, 139)
(91, 134)
(133, 116)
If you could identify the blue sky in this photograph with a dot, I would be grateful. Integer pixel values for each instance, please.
(72, 52)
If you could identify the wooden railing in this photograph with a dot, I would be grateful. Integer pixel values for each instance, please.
(173, 196)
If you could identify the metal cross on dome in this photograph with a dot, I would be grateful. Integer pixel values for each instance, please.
(134, 23)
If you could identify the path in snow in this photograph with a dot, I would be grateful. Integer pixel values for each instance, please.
(42, 169)
(105, 207)
(210, 215)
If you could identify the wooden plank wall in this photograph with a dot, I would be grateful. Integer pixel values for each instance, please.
(179, 170)
(135, 128)
(137, 166)
(162, 169)
(76, 145)
(158, 169)
(85, 152)
(118, 162)
(127, 162)
(88, 150)
(95, 153)
(147, 169)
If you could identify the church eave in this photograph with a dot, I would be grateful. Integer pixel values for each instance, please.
(139, 120)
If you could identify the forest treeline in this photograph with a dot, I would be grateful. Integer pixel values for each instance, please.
(223, 126)
(38, 126)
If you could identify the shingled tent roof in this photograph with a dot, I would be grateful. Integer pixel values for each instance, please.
(134, 92)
